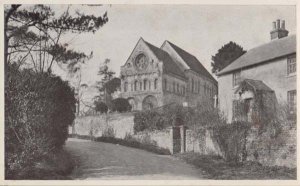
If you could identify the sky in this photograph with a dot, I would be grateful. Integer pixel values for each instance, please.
(199, 29)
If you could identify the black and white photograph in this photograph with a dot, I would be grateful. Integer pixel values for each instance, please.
(125, 91)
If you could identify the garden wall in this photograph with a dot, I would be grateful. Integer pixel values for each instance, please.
(122, 123)
(161, 138)
(280, 151)
(202, 143)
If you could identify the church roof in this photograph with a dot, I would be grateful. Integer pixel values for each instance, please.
(169, 65)
(263, 53)
(192, 61)
(256, 85)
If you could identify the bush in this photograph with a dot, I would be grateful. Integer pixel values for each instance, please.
(100, 107)
(109, 132)
(39, 107)
(231, 139)
(121, 105)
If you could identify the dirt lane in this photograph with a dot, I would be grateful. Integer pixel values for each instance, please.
(98, 160)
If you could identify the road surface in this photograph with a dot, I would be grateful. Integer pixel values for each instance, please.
(97, 160)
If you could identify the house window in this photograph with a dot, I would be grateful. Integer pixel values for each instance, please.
(236, 78)
(125, 86)
(292, 98)
(291, 65)
(177, 88)
(192, 85)
(199, 85)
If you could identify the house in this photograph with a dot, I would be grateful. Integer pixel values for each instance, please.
(154, 77)
(265, 74)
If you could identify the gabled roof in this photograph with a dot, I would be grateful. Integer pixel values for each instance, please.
(263, 53)
(192, 61)
(254, 85)
(169, 65)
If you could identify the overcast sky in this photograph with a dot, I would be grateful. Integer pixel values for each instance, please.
(200, 30)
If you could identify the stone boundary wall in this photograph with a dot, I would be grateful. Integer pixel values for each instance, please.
(280, 151)
(202, 143)
(161, 138)
(122, 123)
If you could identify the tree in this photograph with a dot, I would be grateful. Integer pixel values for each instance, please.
(120, 105)
(33, 35)
(100, 107)
(106, 76)
(226, 55)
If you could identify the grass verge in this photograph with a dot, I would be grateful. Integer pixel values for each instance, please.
(217, 168)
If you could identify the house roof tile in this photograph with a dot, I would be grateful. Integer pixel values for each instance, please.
(263, 53)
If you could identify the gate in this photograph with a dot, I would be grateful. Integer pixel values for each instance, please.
(176, 140)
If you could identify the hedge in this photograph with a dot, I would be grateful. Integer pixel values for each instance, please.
(39, 107)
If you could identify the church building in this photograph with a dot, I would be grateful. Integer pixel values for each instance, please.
(154, 77)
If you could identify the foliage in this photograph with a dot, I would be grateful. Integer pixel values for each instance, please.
(33, 34)
(113, 85)
(100, 107)
(120, 105)
(214, 167)
(148, 120)
(109, 132)
(39, 107)
(203, 115)
(232, 140)
(226, 55)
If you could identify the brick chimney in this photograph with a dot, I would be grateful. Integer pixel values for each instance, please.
(278, 31)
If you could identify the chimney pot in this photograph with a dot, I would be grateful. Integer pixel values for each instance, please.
(278, 23)
(274, 25)
(283, 24)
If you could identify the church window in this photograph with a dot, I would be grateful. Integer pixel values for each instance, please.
(291, 65)
(166, 84)
(149, 82)
(155, 84)
(236, 78)
(125, 86)
(174, 86)
(177, 88)
(135, 85)
(131, 86)
(145, 84)
(141, 85)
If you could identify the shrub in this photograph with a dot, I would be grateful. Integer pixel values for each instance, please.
(100, 107)
(231, 139)
(39, 107)
(120, 105)
(109, 132)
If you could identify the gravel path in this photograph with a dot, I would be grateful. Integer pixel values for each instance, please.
(97, 160)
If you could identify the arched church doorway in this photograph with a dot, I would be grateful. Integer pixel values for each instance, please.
(149, 102)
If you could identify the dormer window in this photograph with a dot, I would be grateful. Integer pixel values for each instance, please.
(291, 65)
